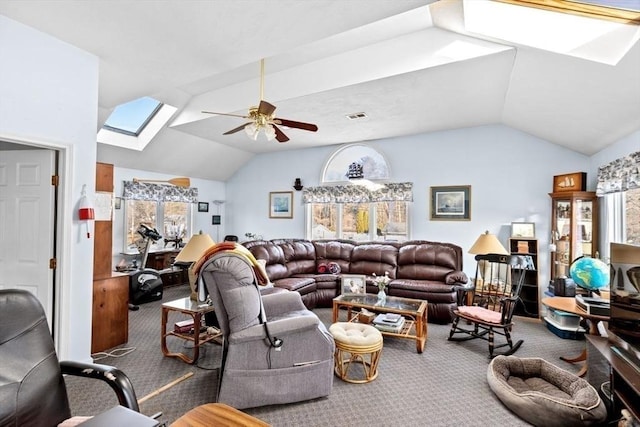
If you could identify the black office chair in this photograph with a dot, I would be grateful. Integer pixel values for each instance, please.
(33, 391)
(499, 280)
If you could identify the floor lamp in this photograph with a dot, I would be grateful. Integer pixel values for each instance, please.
(192, 252)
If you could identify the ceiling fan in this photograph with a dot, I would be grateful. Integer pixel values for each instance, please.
(263, 117)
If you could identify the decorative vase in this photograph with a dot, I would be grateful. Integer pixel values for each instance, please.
(381, 295)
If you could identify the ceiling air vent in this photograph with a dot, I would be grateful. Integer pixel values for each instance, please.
(356, 116)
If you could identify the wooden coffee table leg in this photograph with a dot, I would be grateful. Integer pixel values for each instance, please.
(335, 312)
(421, 332)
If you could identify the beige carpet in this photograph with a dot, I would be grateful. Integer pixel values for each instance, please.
(444, 386)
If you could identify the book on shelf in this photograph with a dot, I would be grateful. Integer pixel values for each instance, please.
(387, 327)
(392, 323)
(388, 318)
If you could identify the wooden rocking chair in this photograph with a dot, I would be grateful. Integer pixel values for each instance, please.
(499, 279)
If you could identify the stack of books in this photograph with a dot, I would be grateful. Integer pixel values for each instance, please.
(389, 322)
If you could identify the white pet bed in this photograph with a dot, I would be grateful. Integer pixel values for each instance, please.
(543, 394)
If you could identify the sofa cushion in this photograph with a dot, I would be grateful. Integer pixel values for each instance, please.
(273, 254)
(299, 255)
(302, 285)
(378, 258)
(338, 251)
(428, 260)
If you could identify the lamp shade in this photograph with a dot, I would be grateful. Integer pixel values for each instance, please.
(195, 248)
(488, 244)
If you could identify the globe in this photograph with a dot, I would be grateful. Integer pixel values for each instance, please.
(589, 273)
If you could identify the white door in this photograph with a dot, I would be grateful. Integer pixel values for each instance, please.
(27, 223)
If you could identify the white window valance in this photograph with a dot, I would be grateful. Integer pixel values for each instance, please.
(389, 192)
(136, 190)
(620, 175)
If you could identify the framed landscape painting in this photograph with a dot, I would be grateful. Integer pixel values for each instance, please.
(281, 204)
(451, 203)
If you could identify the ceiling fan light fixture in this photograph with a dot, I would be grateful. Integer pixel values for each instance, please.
(270, 132)
(252, 131)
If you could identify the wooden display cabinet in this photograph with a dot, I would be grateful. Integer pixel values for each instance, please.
(529, 295)
(574, 228)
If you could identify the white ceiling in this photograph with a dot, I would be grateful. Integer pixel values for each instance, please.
(410, 65)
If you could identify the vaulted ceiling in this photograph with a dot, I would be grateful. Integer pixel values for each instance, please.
(412, 66)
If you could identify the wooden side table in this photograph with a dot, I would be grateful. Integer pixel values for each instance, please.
(217, 415)
(568, 304)
(196, 310)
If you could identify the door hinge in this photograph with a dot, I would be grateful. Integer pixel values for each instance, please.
(53, 263)
(55, 180)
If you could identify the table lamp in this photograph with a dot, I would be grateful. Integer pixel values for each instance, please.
(487, 244)
(193, 250)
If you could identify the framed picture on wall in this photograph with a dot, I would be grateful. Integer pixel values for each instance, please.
(203, 206)
(451, 203)
(281, 204)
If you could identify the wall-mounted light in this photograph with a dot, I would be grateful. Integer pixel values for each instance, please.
(297, 184)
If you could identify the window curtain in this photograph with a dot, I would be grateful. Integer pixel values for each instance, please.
(620, 175)
(160, 193)
(612, 222)
(390, 192)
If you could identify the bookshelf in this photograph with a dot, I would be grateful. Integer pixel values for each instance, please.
(529, 295)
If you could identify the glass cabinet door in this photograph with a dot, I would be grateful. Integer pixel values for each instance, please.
(574, 229)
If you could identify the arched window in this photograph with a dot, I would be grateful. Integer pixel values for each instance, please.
(374, 165)
(367, 207)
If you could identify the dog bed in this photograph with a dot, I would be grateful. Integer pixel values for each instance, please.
(543, 394)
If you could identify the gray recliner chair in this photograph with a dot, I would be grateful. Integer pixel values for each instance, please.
(274, 350)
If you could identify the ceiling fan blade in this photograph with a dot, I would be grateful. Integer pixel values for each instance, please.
(226, 114)
(280, 136)
(298, 125)
(266, 108)
(234, 130)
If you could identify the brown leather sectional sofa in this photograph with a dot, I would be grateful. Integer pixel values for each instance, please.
(418, 269)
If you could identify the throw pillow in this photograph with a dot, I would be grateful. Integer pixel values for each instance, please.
(322, 268)
(334, 268)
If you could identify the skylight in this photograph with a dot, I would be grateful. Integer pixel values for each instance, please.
(131, 118)
(581, 33)
(133, 125)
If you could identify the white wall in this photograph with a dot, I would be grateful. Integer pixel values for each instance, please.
(49, 97)
(510, 173)
(629, 144)
(208, 191)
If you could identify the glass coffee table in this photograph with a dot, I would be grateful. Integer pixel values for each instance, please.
(414, 311)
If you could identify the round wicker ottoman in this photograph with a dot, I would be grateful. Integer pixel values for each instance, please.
(356, 343)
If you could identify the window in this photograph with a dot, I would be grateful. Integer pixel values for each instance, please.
(359, 221)
(625, 11)
(619, 190)
(171, 219)
(632, 216)
(132, 117)
(359, 210)
(133, 125)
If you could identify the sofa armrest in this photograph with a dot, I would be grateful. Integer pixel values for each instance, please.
(277, 328)
(114, 377)
(282, 302)
(456, 278)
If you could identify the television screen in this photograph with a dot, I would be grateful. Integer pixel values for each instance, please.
(624, 322)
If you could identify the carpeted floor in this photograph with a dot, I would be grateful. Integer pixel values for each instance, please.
(444, 386)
